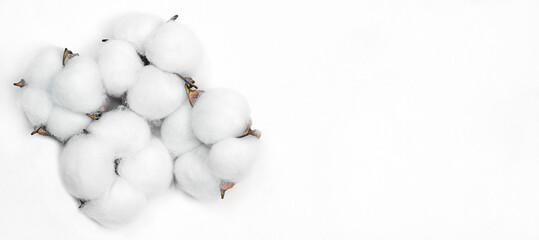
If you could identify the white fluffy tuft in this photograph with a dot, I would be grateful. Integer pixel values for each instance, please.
(194, 177)
(149, 171)
(156, 94)
(78, 86)
(87, 167)
(119, 206)
(136, 29)
(231, 158)
(119, 63)
(123, 129)
(43, 67)
(220, 114)
(37, 105)
(175, 48)
(63, 123)
(176, 131)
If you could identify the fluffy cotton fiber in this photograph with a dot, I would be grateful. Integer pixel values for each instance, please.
(194, 177)
(156, 94)
(150, 171)
(63, 123)
(78, 86)
(43, 67)
(87, 167)
(231, 158)
(176, 131)
(120, 205)
(175, 48)
(136, 29)
(126, 156)
(220, 114)
(119, 63)
(37, 105)
(123, 129)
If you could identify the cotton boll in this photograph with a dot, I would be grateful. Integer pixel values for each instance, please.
(87, 167)
(43, 67)
(193, 175)
(136, 29)
(119, 63)
(231, 158)
(123, 129)
(37, 105)
(219, 114)
(151, 170)
(175, 48)
(120, 205)
(176, 131)
(156, 94)
(78, 86)
(63, 123)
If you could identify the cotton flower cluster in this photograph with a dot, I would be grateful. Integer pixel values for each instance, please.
(60, 89)
(165, 131)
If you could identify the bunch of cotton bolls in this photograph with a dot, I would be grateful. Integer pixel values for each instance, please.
(60, 91)
(133, 121)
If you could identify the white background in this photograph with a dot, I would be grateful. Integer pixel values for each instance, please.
(380, 120)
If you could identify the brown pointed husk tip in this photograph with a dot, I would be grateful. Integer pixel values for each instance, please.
(97, 114)
(21, 83)
(225, 185)
(41, 131)
(93, 116)
(68, 54)
(252, 132)
(192, 95)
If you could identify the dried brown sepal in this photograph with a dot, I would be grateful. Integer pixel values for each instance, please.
(68, 54)
(253, 132)
(124, 99)
(92, 116)
(173, 18)
(21, 83)
(192, 95)
(189, 81)
(41, 131)
(97, 114)
(85, 131)
(225, 185)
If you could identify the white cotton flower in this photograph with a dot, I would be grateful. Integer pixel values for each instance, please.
(156, 94)
(194, 177)
(218, 114)
(176, 131)
(150, 171)
(231, 158)
(87, 167)
(118, 206)
(43, 67)
(119, 63)
(78, 86)
(37, 105)
(175, 48)
(136, 28)
(63, 123)
(123, 129)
